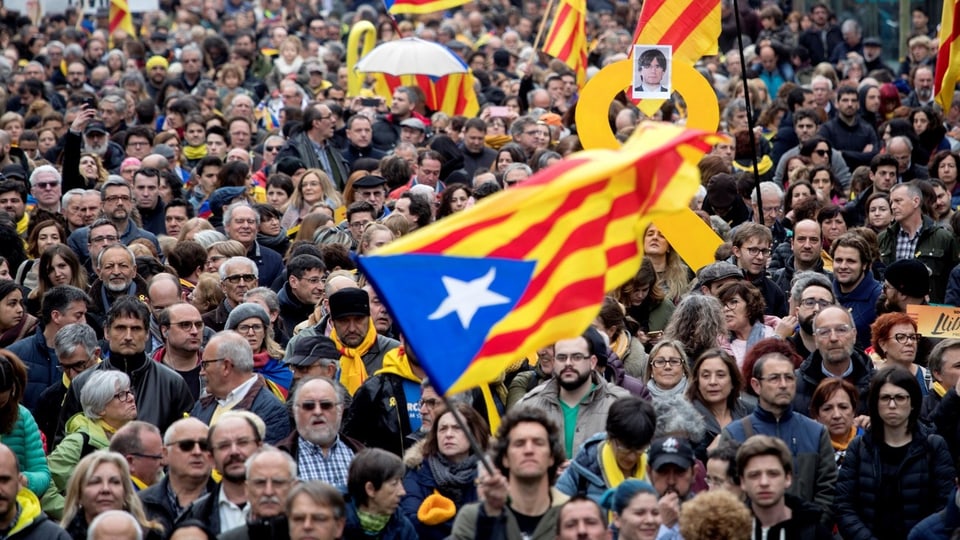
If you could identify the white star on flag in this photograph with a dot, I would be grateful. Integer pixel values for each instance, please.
(466, 297)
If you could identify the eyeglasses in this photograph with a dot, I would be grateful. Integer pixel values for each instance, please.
(575, 357)
(187, 445)
(325, 406)
(810, 303)
(903, 339)
(661, 362)
(896, 399)
(124, 395)
(732, 304)
(117, 198)
(754, 251)
(777, 377)
(840, 331)
(430, 403)
(76, 366)
(237, 278)
(156, 457)
(205, 363)
(620, 448)
(188, 325)
(246, 328)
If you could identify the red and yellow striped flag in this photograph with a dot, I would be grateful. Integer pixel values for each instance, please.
(120, 18)
(452, 94)
(948, 56)
(567, 39)
(692, 28)
(531, 265)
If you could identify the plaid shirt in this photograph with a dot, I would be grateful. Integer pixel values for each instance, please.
(332, 469)
(907, 246)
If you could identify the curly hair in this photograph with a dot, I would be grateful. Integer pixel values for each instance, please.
(697, 323)
(32, 247)
(446, 198)
(715, 515)
(521, 415)
(736, 378)
(881, 327)
(678, 418)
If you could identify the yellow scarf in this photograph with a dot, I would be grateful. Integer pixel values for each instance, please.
(23, 225)
(612, 474)
(195, 152)
(493, 416)
(352, 370)
(838, 446)
(621, 345)
(939, 389)
(107, 428)
(139, 483)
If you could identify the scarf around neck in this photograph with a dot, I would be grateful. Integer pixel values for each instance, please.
(612, 474)
(453, 478)
(352, 369)
(660, 393)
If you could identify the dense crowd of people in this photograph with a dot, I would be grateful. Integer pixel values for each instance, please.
(188, 351)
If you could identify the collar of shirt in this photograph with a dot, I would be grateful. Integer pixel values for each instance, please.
(846, 373)
(237, 393)
(316, 449)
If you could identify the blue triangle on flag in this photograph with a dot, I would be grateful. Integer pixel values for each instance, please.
(446, 305)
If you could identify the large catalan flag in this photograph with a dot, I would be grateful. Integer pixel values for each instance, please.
(567, 39)
(530, 265)
(453, 94)
(420, 7)
(948, 56)
(120, 18)
(692, 28)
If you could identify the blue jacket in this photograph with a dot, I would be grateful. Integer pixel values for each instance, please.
(269, 263)
(398, 528)
(862, 304)
(258, 400)
(419, 483)
(41, 361)
(814, 465)
(939, 526)
(585, 471)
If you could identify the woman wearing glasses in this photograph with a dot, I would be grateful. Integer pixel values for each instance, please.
(252, 322)
(743, 314)
(667, 370)
(894, 475)
(894, 340)
(441, 472)
(108, 404)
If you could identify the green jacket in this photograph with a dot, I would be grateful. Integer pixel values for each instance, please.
(64, 458)
(937, 248)
(472, 520)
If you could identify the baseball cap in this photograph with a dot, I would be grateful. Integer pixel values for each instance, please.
(307, 350)
(95, 127)
(671, 450)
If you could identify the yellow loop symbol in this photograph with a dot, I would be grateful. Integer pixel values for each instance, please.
(694, 241)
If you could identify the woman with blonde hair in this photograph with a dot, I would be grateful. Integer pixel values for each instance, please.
(101, 482)
(674, 276)
(314, 187)
(207, 295)
(374, 236)
(92, 169)
(12, 123)
(219, 252)
(191, 227)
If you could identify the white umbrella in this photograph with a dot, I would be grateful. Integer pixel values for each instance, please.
(409, 56)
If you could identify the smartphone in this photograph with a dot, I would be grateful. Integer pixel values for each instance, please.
(90, 103)
(499, 111)
(370, 102)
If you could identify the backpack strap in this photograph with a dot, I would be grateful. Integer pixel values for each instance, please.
(86, 448)
(747, 427)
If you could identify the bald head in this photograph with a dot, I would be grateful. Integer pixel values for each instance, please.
(115, 525)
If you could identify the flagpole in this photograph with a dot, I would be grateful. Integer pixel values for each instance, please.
(543, 23)
(474, 444)
(746, 98)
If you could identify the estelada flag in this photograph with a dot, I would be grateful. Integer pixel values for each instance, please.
(120, 18)
(529, 266)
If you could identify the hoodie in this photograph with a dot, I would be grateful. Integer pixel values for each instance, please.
(32, 523)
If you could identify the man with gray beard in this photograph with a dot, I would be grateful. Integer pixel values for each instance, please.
(116, 268)
(270, 476)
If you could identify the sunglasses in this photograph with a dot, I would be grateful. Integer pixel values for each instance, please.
(822, 153)
(325, 406)
(187, 445)
(272, 148)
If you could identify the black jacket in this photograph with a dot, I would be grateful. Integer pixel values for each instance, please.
(810, 373)
(924, 481)
(804, 524)
(162, 395)
(204, 509)
(851, 140)
(292, 310)
(378, 415)
(156, 503)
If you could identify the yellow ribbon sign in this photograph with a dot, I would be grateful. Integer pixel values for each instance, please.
(693, 239)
